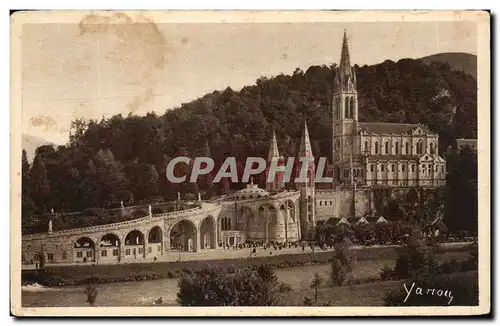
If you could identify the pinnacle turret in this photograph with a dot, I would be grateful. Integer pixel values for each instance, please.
(305, 149)
(273, 149)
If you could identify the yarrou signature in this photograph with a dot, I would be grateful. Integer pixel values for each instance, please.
(432, 292)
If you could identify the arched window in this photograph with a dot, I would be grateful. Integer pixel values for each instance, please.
(386, 147)
(346, 109)
(351, 101)
(403, 168)
(392, 167)
(376, 147)
(419, 147)
(431, 148)
(339, 109)
(407, 148)
(371, 167)
(366, 146)
(413, 168)
(397, 148)
(382, 167)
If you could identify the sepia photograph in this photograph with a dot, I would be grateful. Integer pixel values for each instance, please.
(313, 163)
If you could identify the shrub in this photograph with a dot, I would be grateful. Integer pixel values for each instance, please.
(341, 265)
(284, 287)
(451, 266)
(91, 293)
(217, 287)
(387, 273)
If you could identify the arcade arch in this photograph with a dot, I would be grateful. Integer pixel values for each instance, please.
(110, 247)
(207, 233)
(183, 236)
(135, 246)
(84, 250)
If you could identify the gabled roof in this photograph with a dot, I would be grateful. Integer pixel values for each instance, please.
(390, 128)
(387, 128)
(343, 220)
(362, 220)
(381, 219)
(431, 157)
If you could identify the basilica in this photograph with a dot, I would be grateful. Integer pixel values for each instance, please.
(365, 157)
(373, 153)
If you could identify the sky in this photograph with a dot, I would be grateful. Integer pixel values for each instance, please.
(98, 68)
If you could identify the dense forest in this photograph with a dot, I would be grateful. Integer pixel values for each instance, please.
(124, 158)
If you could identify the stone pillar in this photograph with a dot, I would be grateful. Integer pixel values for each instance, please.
(197, 240)
(216, 235)
(287, 213)
(97, 251)
(122, 250)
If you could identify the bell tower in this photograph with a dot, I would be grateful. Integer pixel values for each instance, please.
(344, 115)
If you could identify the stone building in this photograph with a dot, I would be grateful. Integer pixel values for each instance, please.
(369, 154)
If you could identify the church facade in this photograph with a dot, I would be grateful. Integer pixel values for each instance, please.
(372, 154)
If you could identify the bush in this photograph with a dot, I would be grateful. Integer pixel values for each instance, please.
(413, 262)
(449, 267)
(91, 293)
(387, 273)
(341, 265)
(284, 287)
(217, 287)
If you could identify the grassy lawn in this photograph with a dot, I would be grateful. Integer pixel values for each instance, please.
(369, 294)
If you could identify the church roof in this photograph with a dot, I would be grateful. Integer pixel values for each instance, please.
(388, 128)
(393, 157)
(251, 189)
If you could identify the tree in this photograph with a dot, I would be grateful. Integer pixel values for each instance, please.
(40, 184)
(217, 287)
(111, 181)
(316, 282)
(461, 194)
(28, 207)
(341, 264)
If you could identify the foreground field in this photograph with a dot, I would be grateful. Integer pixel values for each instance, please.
(369, 294)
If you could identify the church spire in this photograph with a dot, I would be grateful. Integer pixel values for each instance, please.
(273, 149)
(345, 61)
(345, 80)
(305, 149)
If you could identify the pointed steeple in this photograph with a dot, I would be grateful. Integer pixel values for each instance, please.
(345, 61)
(345, 80)
(305, 149)
(273, 149)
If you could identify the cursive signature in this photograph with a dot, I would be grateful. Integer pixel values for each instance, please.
(431, 292)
